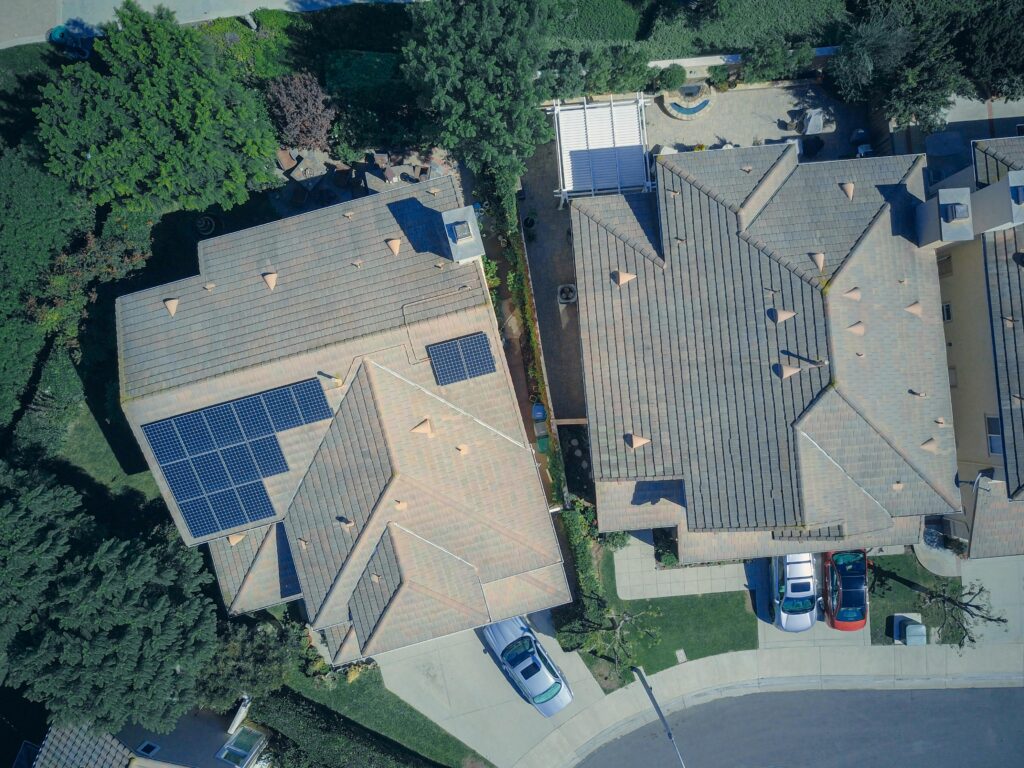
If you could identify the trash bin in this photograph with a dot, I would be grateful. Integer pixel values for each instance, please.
(914, 633)
(538, 413)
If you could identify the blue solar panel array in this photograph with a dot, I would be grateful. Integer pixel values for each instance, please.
(460, 359)
(214, 460)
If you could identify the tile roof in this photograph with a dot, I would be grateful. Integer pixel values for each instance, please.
(715, 353)
(79, 747)
(470, 488)
(993, 157)
(320, 298)
(998, 526)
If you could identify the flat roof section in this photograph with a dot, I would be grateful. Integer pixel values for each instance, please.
(602, 147)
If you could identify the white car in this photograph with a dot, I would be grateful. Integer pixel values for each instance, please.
(794, 592)
(528, 664)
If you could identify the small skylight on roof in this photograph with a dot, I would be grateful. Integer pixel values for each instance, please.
(462, 231)
(955, 212)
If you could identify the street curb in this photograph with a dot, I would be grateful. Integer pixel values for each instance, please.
(556, 743)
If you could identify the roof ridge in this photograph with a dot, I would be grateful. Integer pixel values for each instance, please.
(762, 247)
(578, 204)
(868, 229)
(696, 183)
(247, 579)
(905, 459)
(995, 154)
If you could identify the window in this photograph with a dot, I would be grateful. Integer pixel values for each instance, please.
(242, 747)
(946, 265)
(952, 376)
(147, 748)
(947, 312)
(995, 435)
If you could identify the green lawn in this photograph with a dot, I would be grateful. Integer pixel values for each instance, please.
(369, 703)
(702, 625)
(896, 597)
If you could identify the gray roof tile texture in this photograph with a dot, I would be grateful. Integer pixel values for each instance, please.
(78, 747)
(320, 297)
(684, 355)
(375, 588)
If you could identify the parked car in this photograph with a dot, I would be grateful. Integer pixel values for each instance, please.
(846, 589)
(794, 592)
(528, 664)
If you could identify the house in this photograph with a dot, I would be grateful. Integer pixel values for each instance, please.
(326, 406)
(199, 740)
(764, 354)
(983, 313)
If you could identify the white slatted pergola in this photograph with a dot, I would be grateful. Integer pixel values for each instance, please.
(602, 147)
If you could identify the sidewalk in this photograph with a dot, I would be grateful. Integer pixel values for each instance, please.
(637, 575)
(781, 669)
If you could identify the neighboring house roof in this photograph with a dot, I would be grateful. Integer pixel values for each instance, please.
(997, 529)
(770, 309)
(404, 509)
(79, 747)
(994, 157)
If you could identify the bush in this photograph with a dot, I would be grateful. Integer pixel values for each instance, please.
(255, 55)
(298, 107)
(598, 20)
(772, 60)
(56, 402)
(718, 76)
(671, 77)
(326, 738)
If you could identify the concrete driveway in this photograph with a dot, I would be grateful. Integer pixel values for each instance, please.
(457, 684)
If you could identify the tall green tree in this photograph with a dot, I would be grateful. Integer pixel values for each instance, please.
(899, 57)
(153, 123)
(991, 47)
(476, 62)
(99, 630)
(250, 660)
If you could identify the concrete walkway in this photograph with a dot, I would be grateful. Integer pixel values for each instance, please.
(637, 575)
(781, 669)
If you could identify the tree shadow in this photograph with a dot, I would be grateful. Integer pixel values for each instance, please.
(17, 106)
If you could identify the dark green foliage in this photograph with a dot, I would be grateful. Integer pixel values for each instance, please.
(256, 55)
(22, 341)
(900, 58)
(156, 125)
(58, 396)
(595, 69)
(38, 520)
(99, 630)
(475, 65)
(991, 47)
(772, 60)
(39, 217)
(671, 77)
(250, 659)
(563, 76)
(718, 76)
(324, 739)
(599, 20)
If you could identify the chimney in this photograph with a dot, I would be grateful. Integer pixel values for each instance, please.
(945, 218)
(462, 234)
(1000, 205)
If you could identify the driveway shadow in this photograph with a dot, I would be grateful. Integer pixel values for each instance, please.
(759, 586)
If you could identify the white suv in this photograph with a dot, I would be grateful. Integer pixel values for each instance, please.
(794, 592)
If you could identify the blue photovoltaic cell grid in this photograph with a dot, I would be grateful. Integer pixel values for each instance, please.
(461, 359)
(215, 459)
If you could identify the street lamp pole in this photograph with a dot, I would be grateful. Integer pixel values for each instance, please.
(661, 715)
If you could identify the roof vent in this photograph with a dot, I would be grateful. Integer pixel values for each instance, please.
(784, 371)
(1017, 398)
(171, 305)
(1009, 321)
(303, 544)
(209, 286)
(401, 505)
(857, 329)
(348, 214)
(674, 192)
(914, 309)
(915, 393)
(347, 522)
(375, 578)
(270, 278)
(746, 168)
(234, 538)
(434, 191)
(819, 261)
(780, 315)
(941, 421)
(635, 441)
(931, 445)
(357, 263)
(621, 278)
(859, 354)
(853, 294)
(681, 240)
(463, 449)
(395, 244)
(424, 428)
(898, 485)
(955, 212)
(847, 187)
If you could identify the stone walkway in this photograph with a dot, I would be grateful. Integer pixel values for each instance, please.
(637, 576)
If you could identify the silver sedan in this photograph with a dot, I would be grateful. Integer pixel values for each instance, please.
(528, 664)
(795, 592)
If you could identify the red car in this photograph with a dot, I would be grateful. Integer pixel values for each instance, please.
(846, 589)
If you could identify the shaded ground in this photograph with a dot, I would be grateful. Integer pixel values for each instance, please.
(843, 729)
(896, 596)
(549, 252)
(574, 440)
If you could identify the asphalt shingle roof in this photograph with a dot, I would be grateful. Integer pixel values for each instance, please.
(79, 747)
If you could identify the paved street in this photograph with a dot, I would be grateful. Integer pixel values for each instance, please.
(835, 729)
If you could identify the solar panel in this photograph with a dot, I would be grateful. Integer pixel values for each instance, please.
(460, 359)
(270, 460)
(214, 459)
